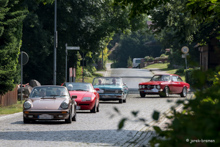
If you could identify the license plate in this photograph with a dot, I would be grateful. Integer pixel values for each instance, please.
(101, 91)
(147, 91)
(78, 107)
(45, 116)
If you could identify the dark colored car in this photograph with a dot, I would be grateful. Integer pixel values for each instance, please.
(87, 96)
(111, 88)
(49, 103)
(164, 84)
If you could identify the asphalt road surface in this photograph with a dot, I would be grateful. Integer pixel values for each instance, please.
(92, 129)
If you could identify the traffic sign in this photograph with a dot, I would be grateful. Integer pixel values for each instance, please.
(185, 49)
(73, 48)
(25, 57)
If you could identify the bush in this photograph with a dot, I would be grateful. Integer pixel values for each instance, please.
(198, 123)
(149, 59)
(180, 71)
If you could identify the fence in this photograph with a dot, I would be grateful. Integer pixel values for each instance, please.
(9, 98)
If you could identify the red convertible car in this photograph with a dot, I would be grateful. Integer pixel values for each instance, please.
(87, 96)
(164, 84)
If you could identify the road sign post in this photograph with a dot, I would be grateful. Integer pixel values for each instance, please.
(185, 51)
(69, 48)
(24, 59)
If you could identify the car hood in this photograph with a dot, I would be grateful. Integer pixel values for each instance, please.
(46, 104)
(152, 83)
(80, 94)
(109, 87)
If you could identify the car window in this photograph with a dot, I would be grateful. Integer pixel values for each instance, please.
(72, 86)
(179, 79)
(107, 81)
(174, 78)
(48, 92)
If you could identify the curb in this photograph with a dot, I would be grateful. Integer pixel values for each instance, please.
(10, 115)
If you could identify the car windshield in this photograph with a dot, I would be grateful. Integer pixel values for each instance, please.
(107, 81)
(55, 92)
(160, 78)
(71, 86)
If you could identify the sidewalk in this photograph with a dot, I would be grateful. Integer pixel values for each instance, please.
(157, 71)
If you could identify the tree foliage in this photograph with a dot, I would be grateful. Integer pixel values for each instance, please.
(11, 16)
(89, 24)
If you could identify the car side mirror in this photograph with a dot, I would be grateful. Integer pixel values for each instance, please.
(97, 89)
(74, 96)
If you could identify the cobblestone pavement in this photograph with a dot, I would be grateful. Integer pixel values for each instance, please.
(100, 129)
(90, 129)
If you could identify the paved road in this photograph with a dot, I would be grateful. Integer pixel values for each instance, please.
(98, 129)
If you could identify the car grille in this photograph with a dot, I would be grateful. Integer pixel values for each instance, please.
(149, 86)
(112, 91)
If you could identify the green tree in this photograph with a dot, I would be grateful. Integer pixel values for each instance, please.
(11, 16)
(129, 62)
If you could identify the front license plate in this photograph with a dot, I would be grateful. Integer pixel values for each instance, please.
(78, 107)
(45, 116)
(147, 91)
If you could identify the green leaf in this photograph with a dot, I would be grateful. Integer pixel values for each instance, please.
(157, 129)
(156, 115)
(135, 113)
(121, 123)
(116, 110)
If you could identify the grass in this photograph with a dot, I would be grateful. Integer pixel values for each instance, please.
(164, 67)
(12, 108)
(88, 79)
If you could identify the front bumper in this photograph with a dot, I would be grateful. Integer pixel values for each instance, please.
(150, 91)
(110, 96)
(46, 115)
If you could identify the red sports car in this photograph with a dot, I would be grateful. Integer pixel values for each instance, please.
(87, 96)
(164, 84)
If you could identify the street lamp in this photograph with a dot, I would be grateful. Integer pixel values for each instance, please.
(55, 42)
(70, 48)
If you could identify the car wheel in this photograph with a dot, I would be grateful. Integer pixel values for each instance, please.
(165, 92)
(97, 108)
(120, 101)
(69, 120)
(142, 94)
(93, 109)
(25, 120)
(184, 92)
(74, 117)
(124, 101)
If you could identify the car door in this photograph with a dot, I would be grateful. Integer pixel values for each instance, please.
(179, 87)
(174, 84)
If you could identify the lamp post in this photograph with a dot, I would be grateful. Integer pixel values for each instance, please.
(55, 42)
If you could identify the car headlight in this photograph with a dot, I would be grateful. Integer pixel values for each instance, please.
(86, 99)
(27, 105)
(158, 86)
(64, 105)
(141, 86)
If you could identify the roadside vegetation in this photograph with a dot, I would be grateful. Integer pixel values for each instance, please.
(165, 67)
(12, 108)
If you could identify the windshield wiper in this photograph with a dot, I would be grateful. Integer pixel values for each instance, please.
(48, 98)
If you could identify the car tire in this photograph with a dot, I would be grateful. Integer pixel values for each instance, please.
(165, 92)
(184, 92)
(25, 120)
(93, 109)
(97, 108)
(74, 117)
(124, 101)
(142, 94)
(120, 101)
(69, 120)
